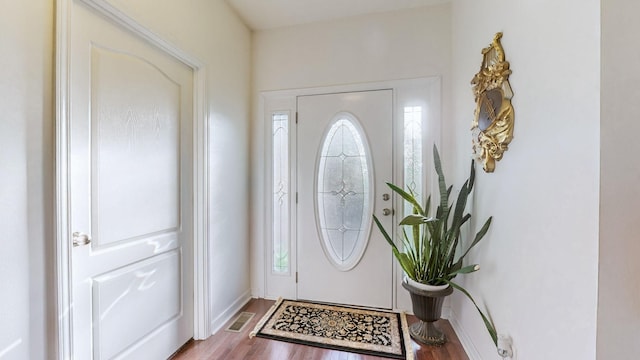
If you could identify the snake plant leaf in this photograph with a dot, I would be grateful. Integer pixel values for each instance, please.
(454, 268)
(427, 206)
(472, 175)
(442, 185)
(406, 264)
(407, 197)
(465, 270)
(487, 323)
(417, 245)
(411, 250)
(461, 203)
(479, 235)
(403, 259)
(415, 219)
(384, 233)
(432, 226)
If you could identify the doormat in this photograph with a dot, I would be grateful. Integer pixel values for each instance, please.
(344, 328)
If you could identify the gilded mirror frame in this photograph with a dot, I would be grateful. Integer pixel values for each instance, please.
(492, 127)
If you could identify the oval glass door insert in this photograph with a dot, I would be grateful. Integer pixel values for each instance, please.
(344, 192)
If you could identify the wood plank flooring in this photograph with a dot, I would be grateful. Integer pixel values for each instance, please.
(226, 345)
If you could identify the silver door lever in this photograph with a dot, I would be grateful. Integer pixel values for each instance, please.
(80, 239)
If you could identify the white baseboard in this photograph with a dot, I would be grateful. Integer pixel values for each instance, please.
(228, 313)
(464, 338)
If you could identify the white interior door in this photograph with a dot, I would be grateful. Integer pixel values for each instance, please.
(130, 192)
(344, 159)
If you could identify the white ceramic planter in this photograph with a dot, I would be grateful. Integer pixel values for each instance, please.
(425, 287)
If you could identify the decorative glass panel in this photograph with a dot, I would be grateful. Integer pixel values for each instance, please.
(344, 189)
(413, 173)
(280, 151)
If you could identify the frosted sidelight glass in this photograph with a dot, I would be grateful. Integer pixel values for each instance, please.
(343, 192)
(280, 151)
(413, 173)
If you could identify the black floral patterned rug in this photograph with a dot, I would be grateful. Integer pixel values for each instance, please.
(344, 328)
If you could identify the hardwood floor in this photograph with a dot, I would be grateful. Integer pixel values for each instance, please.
(237, 346)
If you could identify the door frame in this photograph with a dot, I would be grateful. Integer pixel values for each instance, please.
(425, 89)
(62, 252)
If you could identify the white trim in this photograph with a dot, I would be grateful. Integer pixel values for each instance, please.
(230, 312)
(201, 296)
(464, 338)
(104, 8)
(62, 246)
(201, 149)
(366, 86)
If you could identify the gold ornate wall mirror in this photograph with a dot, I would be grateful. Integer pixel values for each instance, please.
(492, 127)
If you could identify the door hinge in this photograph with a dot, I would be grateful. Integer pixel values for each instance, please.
(296, 277)
(296, 197)
(296, 117)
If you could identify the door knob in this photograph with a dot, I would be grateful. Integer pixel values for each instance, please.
(387, 212)
(80, 239)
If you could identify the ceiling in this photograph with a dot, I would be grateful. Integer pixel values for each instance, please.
(269, 14)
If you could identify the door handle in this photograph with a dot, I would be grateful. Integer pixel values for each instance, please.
(80, 239)
(387, 212)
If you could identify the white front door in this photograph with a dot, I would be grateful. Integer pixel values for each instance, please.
(344, 159)
(130, 193)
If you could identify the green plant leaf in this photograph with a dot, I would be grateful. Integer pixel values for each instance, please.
(487, 323)
(465, 270)
(479, 235)
(407, 197)
(444, 193)
(461, 203)
(427, 206)
(415, 219)
(406, 264)
(384, 233)
(472, 175)
(465, 219)
(404, 260)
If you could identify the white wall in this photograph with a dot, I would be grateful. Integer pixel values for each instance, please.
(540, 258)
(619, 288)
(208, 30)
(26, 170)
(399, 45)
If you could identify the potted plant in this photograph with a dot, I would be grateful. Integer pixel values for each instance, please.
(432, 255)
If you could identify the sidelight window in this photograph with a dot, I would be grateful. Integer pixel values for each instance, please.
(281, 190)
(413, 162)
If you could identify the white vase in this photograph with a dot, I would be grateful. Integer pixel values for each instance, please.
(425, 287)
